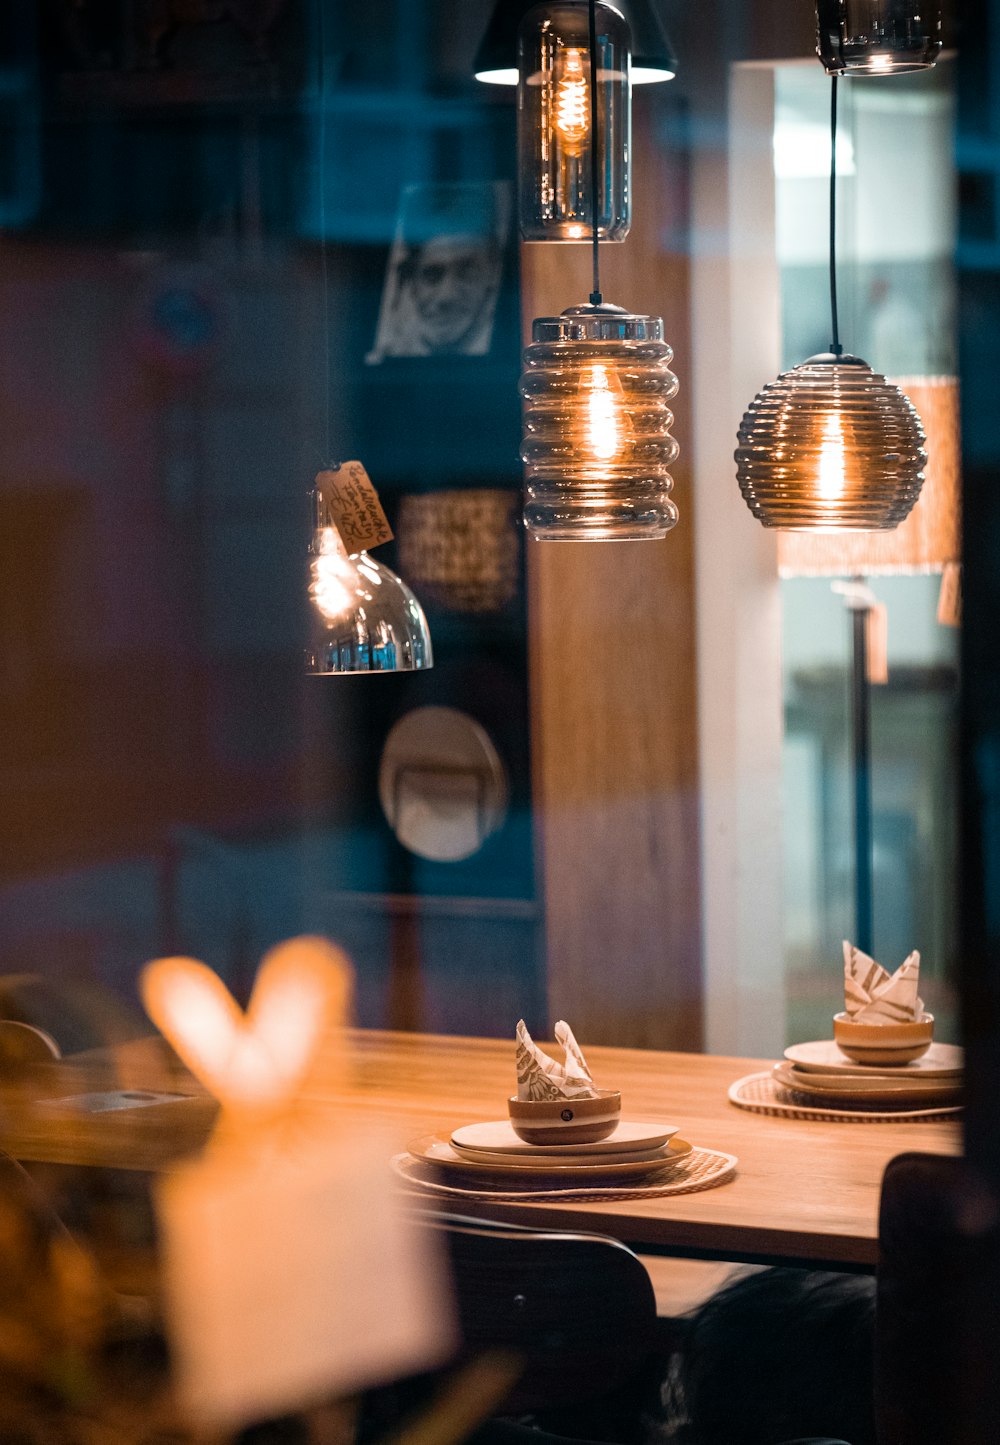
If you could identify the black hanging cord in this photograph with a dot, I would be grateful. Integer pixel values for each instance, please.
(324, 260)
(835, 345)
(595, 296)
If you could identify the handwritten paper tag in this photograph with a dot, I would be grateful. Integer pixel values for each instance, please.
(294, 1275)
(349, 502)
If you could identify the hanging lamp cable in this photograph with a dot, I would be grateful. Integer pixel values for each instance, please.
(835, 346)
(595, 296)
(324, 259)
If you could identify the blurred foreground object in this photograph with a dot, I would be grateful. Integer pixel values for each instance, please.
(291, 1272)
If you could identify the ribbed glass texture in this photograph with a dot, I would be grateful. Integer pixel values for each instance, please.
(363, 617)
(597, 446)
(832, 445)
(877, 37)
(554, 124)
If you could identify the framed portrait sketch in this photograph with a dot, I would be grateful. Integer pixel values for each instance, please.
(443, 276)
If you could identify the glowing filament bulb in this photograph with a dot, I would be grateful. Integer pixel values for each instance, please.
(572, 114)
(333, 585)
(832, 479)
(604, 429)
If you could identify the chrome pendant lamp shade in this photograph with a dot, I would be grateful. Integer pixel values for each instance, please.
(830, 445)
(597, 446)
(363, 617)
(877, 37)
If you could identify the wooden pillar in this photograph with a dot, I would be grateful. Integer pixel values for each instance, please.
(614, 704)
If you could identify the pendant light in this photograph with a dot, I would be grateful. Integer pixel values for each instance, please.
(596, 387)
(877, 37)
(364, 618)
(653, 57)
(831, 444)
(570, 82)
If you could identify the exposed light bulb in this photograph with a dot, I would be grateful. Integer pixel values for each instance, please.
(604, 421)
(832, 478)
(333, 583)
(572, 101)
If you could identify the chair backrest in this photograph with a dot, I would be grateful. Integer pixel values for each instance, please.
(937, 1371)
(75, 1014)
(579, 1309)
(22, 1045)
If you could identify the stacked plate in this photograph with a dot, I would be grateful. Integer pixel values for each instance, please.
(488, 1153)
(820, 1070)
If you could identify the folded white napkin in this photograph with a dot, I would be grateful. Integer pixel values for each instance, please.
(540, 1077)
(872, 996)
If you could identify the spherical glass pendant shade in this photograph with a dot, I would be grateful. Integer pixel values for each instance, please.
(555, 129)
(364, 618)
(832, 445)
(597, 444)
(877, 37)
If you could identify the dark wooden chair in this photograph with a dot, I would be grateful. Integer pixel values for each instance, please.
(75, 1014)
(578, 1309)
(937, 1369)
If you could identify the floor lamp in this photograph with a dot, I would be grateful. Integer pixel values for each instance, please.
(927, 541)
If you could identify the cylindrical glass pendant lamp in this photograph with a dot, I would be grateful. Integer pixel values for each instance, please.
(830, 445)
(877, 37)
(363, 617)
(597, 446)
(555, 123)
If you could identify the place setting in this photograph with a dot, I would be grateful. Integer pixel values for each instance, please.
(563, 1137)
(882, 1063)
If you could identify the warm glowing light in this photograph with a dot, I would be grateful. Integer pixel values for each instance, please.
(882, 62)
(604, 421)
(333, 585)
(832, 479)
(256, 1060)
(572, 102)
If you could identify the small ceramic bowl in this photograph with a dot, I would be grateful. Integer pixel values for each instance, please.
(883, 1043)
(566, 1121)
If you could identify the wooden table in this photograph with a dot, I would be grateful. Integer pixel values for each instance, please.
(805, 1191)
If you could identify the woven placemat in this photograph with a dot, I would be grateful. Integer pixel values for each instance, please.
(701, 1169)
(762, 1094)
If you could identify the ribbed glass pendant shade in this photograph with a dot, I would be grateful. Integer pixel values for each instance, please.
(877, 37)
(597, 446)
(832, 445)
(364, 617)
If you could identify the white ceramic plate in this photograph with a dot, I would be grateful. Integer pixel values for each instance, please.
(499, 1138)
(941, 1061)
(852, 1088)
(437, 1149)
